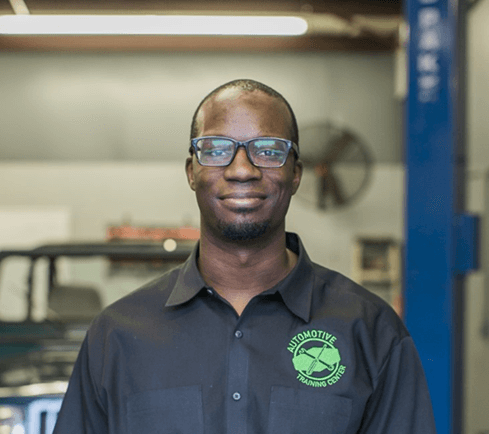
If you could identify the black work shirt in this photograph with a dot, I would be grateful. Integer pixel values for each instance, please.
(315, 354)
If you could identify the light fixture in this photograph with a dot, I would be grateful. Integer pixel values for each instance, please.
(152, 25)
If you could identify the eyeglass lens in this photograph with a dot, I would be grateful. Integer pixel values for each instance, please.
(262, 152)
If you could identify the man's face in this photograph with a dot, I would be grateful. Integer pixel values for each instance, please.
(241, 201)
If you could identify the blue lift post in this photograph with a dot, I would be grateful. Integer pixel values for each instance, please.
(440, 239)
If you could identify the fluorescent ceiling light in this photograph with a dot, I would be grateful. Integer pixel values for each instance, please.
(151, 25)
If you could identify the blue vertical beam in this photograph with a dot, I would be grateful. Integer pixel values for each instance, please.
(434, 155)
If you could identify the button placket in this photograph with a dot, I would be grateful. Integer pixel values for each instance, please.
(237, 386)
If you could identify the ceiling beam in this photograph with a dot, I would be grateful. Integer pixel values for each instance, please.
(343, 8)
(192, 43)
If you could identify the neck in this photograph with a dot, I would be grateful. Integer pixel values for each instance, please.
(240, 271)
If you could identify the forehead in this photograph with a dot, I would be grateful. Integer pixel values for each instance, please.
(244, 114)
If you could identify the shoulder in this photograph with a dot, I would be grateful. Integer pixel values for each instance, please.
(351, 301)
(137, 317)
(134, 310)
(361, 315)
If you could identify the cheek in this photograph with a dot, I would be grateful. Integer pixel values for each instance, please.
(201, 177)
(204, 187)
(283, 192)
(283, 183)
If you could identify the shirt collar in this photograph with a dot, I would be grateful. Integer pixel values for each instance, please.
(189, 281)
(295, 289)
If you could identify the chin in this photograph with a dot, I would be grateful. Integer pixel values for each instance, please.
(246, 231)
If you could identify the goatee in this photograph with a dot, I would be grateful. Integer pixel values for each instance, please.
(243, 231)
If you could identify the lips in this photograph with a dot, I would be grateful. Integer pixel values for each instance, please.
(237, 195)
(242, 200)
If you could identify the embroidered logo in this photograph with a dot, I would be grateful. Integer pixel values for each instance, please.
(315, 358)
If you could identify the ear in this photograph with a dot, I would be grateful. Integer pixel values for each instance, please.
(189, 169)
(297, 176)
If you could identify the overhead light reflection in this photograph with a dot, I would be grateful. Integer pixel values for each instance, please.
(152, 25)
(18, 429)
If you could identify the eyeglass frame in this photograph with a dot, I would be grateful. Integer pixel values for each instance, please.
(237, 144)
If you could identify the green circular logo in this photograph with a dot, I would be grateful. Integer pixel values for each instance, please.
(315, 358)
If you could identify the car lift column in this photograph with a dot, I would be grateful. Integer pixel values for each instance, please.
(440, 238)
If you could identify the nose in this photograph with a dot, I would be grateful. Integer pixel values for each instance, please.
(241, 169)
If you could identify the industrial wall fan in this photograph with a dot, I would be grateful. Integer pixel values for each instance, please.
(337, 166)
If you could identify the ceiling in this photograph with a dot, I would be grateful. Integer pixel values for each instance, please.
(336, 25)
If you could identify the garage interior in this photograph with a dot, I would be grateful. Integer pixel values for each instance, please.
(94, 132)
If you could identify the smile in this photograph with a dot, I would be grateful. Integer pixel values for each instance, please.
(243, 202)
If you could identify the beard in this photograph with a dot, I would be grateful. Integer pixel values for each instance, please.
(243, 231)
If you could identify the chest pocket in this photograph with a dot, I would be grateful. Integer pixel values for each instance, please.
(166, 411)
(295, 411)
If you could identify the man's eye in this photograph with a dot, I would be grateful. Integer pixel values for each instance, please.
(270, 153)
(216, 152)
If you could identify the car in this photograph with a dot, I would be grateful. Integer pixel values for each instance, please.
(37, 357)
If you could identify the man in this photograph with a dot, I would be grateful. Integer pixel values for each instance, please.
(248, 336)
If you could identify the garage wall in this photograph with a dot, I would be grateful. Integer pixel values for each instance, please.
(138, 106)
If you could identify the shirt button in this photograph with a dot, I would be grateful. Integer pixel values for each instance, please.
(236, 396)
(238, 334)
(209, 291)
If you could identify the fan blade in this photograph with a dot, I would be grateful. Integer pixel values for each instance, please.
(322, 173)
(321, 169)
(338, 146)
(322, 192)
(328, 185)
(336, 190)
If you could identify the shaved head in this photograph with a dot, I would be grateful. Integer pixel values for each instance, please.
(231, 91)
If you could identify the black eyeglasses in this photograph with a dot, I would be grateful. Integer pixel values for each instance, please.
(262, 151)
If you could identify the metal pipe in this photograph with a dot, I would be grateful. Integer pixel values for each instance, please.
(485, 258)
(19, 7)
(30, 290)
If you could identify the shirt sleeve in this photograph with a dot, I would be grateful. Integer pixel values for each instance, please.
(82, 411)
(400, 402)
